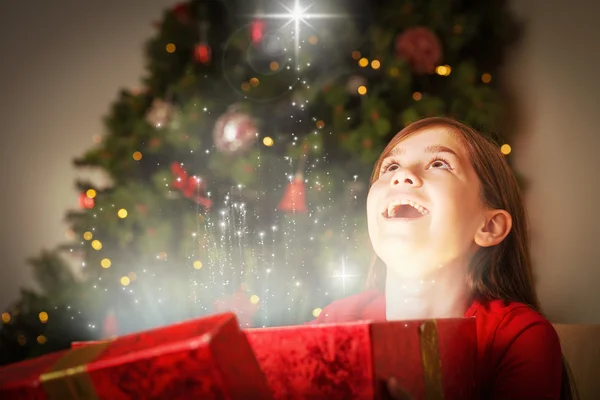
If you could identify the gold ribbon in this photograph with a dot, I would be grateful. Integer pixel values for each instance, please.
(432, 364)
(68, 378)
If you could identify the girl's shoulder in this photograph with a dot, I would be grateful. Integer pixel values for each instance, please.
(514, 316)
(367, 305)
(518, 350)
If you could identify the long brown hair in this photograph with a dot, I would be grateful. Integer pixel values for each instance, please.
(497, 272)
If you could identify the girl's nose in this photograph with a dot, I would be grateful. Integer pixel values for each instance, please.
(407, 177)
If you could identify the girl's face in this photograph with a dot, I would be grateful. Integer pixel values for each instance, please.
(424, 209)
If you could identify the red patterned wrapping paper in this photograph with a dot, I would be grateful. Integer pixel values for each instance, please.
(431, 359)
(207, 358)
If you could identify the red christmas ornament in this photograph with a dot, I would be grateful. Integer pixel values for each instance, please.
(110, 326)
(240, 304)
(182, 12)
(85, 201)
(421, 48)
(234, 132)
(294, 198)
(192, 187)
(202, 53)
(257, 30)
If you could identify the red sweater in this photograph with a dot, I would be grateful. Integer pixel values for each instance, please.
(519, 353)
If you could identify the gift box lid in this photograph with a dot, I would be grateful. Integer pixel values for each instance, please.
(214, 345)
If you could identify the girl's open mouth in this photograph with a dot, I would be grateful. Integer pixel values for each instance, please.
(404, 209)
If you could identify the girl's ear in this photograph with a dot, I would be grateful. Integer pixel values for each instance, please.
(496, 227)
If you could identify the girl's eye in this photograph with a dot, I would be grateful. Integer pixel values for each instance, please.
(392, 167)
(440, 163)
(389, 166)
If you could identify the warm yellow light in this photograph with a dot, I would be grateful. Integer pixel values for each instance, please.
(417, 96)
(125, 280)
(105, 263)
(356, 54)
(362, 90)
(254, 82)
(316, 312)
(197, 264)
(363, 62)
(268, 141)
(320, 124)
(443, 70)
(122, 213)
(170, 48)
(254, 299)
(137, 156)
(486, 78)
(313, 40)
(274, 65)
(88, 236)
(96, 245)
(21, 339)
(5, 317)
(505, 149)
(245, 86)
(375, 64)
(43, 317)
(41, 339)
(91, 193)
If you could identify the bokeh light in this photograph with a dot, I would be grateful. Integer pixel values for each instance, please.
(5, 317)
(122, 213)
(268, 141)
(88, 235)
(417, 96)
(505, 149)
(254, 299)
(316, 312)
(41, 339)
(443, 70)
(362, 90)
(96, 245)
(125, 281)
(486, 78)
(43, 317)
(197, 264)
(170, 48)
(363, 62)
(375, 64)
(105, 263)
(137, 156)
(91, 193)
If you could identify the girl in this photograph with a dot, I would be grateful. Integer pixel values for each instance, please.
(445, 216)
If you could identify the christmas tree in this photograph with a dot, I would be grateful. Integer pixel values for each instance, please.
(239, 170)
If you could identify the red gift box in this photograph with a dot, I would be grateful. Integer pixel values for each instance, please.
(433, 359)
(207, 358)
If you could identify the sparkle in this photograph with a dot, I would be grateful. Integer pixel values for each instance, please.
(343, 275)
(295, 15)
